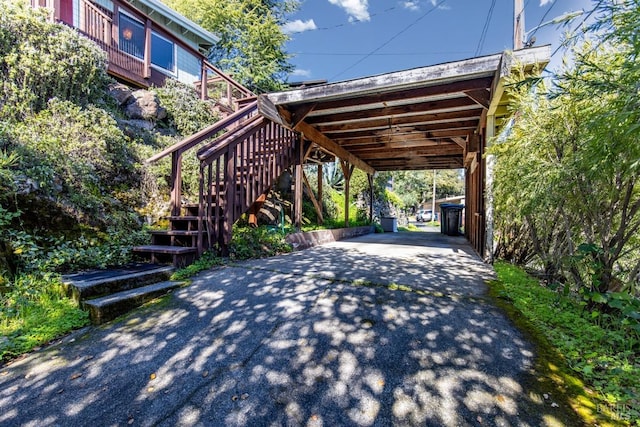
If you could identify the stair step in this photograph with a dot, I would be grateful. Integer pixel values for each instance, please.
(182, 218)
(179, 256)
(161, 249)
(109, 307)
(101, 282)
(174, 232)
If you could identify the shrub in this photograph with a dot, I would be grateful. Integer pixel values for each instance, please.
(249, 242)
(77, 156)
(40, 60)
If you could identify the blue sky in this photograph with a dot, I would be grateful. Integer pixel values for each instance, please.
(339, 40)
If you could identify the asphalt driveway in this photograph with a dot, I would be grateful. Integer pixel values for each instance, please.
(385, 329)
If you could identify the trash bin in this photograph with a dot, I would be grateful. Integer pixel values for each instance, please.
(389, 224)
(451, 219)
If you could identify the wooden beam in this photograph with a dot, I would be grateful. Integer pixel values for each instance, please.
(425, 130)
(414, 142)
(370, 180)
(473, 111)
(297, 193)
(299, 113)
(449, 149)
(319, 138)
(462, 142)
(320, 182)
(405, 94)
(347, 170)
(415, 108)
(480, 96)
(267, 109)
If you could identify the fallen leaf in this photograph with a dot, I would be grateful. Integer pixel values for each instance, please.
(5, 373)
(500, 398)
(150, 389)
(381, 383)
(152, 376)
(76, 375)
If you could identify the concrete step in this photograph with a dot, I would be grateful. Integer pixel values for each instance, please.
(91, 284)
(109, 307)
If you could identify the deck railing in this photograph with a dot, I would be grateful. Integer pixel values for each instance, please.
(99, 25)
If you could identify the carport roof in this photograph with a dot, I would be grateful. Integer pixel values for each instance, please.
(423, 118)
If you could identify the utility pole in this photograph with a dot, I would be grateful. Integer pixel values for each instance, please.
(518, 24)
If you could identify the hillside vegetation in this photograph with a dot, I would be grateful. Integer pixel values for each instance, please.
(74, 190)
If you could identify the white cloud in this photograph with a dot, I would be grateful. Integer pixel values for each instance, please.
(545, 2)
(434, 3)
(358, 10)
(298, 26)
(411, 5)
(301, 73)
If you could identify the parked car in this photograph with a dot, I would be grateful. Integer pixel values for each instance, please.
(424, 215)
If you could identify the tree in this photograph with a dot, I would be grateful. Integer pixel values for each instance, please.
(251, 45)
(569, 170)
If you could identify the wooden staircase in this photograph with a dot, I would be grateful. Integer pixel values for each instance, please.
(236, 169)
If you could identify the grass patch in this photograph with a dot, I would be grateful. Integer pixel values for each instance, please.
(33, 312)
(596, 365)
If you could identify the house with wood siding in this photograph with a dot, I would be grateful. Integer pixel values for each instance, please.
(146, 41)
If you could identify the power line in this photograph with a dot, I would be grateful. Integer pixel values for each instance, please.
(405, 29)
(381, 54)
(485, 28)
(537, 27)
(344, 24)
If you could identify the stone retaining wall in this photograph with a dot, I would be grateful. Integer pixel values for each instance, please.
(304, 240)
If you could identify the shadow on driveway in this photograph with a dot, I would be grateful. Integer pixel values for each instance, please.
(324, 337)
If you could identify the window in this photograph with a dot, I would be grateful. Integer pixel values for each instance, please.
(162, 52)
(132, 35)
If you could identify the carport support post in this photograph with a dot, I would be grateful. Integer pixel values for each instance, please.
(488, 192)
(297, 193)
(347, 170)
(320, 182)
(370, 179)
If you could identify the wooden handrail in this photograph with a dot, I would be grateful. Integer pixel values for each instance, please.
(207, 153)
(206, 133)
(228, 79)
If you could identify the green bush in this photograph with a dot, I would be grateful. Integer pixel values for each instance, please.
(186, 112)
(250, 242)
(601, 351)
(40, 60)
(78, 156)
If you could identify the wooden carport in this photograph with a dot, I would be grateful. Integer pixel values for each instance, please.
(436, 117)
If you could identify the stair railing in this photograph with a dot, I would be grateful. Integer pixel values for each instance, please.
(177, 150)
(235, 171)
